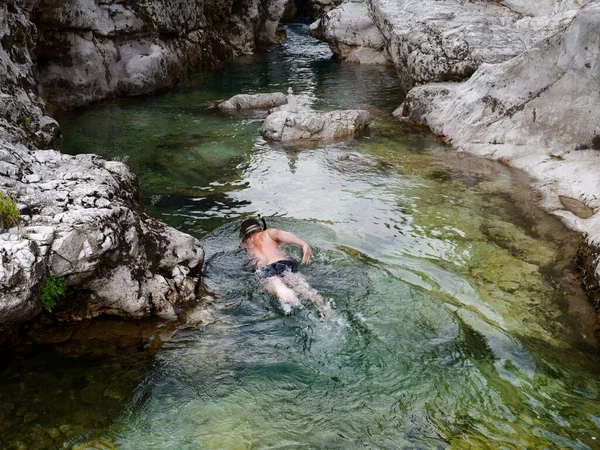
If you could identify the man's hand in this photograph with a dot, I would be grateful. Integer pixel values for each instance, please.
(306, 254)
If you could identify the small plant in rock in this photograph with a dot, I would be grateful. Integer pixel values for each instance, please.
(53, 289)
(9, 213)
(27, 121)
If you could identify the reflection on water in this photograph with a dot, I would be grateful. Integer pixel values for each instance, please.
(458, 321)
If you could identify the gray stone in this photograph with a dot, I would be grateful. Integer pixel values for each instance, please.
(351, 34)
(433, 40)
(126, 47)
(30, 417)
(254, 101)
(308, 125)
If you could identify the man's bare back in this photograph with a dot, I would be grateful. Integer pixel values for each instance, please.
(274, 269)
(264, 246)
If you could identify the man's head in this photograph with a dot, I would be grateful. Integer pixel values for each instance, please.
(249, 227)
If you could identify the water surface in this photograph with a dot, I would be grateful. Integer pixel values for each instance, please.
(458, 321)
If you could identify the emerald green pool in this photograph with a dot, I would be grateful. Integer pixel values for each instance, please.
(458, 319)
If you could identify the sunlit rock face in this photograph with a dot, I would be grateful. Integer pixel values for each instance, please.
(434, 40)
(538, 111)
(80, 217)
(90, 50)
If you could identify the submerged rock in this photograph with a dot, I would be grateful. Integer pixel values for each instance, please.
(514, 80)
(308, 125)
(577, 207)
(254, 101)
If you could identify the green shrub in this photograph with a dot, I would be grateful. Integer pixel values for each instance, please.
(9, 213)
(52, 290)
(27, 121)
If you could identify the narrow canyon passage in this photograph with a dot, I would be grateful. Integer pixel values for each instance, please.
(458, 320)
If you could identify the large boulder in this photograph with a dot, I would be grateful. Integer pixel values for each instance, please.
(307, 125)
(434, 40)
(351, 34)
(80, 221)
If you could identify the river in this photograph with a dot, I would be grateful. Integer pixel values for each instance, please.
(458, 320)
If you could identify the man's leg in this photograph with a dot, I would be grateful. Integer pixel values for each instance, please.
(276, 287)
(302, 289)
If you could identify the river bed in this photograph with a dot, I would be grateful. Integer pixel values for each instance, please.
(458, 320)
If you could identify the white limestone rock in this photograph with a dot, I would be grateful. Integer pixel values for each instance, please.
(308, 125)
(254, 101)
(446, 40)
(79, 215)
(532, 112)
(436, 40)
(351, 34)
(85, 230)
(543, 101)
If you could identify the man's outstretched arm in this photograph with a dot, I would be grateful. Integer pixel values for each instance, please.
(286, 237)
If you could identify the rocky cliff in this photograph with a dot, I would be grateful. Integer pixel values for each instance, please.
(514, 80)
(92, 49)
(80, 218)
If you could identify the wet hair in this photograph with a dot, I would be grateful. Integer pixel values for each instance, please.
(249, 227)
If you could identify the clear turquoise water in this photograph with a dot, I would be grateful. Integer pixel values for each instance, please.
(457, 321)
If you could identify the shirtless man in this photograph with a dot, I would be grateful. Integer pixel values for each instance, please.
(275, 270)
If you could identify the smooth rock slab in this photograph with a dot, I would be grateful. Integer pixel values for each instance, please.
(307, 125)
(254, 101)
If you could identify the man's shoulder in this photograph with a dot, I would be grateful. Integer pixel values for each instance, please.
(272, 233)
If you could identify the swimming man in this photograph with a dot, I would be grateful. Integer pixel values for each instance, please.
(274, 269)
